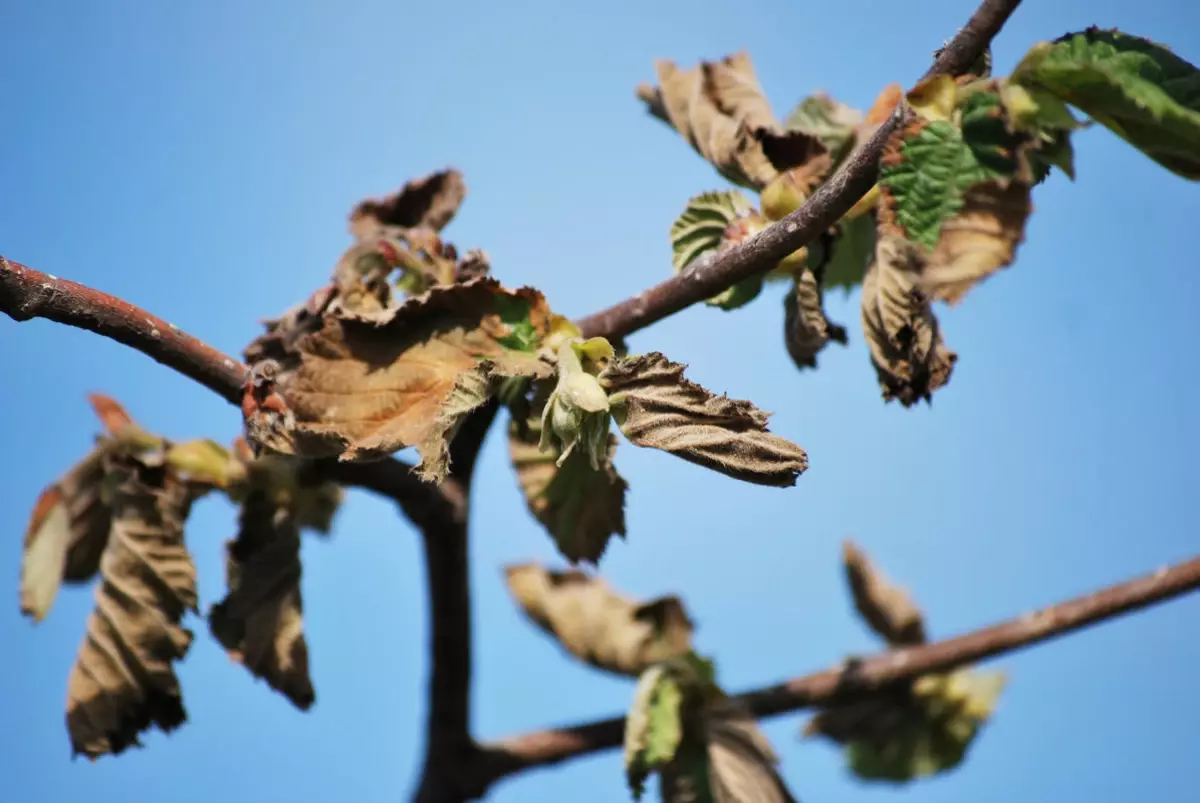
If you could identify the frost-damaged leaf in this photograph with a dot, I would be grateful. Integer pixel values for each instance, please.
(66, 535)
(364, 386)
(1138, 89)
(596, 624)
(292, 484)
(68, 528)
(915, 731)
(887, 608)
(656, 407)
(850, 252)
(653, 726)
(720, 109)
(903, 335)
(123, 681)
(714, 221)
(806, 330)
(260, 621)
(725, 758)
(427, 203)
(829, 120)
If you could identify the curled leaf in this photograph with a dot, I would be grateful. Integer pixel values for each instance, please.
(364, 386)
(712, 222)
(886, 607)
(720, 109)
(260, 620)
(1138, 89)
(656, 407)
(596, 624)
(910, 359)
(653, 726)
(429, 202)
(915, 731)
(828, 120)
(806, 329)
(66, 535)
(123, 681)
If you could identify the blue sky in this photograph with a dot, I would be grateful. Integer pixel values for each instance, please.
(200, 160)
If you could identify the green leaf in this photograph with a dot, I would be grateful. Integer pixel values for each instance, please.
(1139, 90)
(653, 728)
(850, 253)
(830, 121)
(928, 167)
(514, 311)
(709, 222)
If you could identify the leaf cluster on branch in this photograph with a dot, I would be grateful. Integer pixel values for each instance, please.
(410, 341)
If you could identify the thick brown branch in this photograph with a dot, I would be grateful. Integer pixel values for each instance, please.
(26, 293)
(833, 199)
(859, 679)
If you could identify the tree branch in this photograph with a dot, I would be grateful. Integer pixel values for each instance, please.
(758, 254)
(861, 679)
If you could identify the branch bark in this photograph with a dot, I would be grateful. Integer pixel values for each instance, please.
(832, 199)
(858, 679)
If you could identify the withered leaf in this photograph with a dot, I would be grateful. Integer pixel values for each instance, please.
(724, 759)
(66, 536)
(901, 331)
(655, 406)
(887, 608)
(580, 507)
(720, 109)
(981, 239)
(260, 621)
(429, 202)
(362, 386)
(596, 624)
(123, 681)
(806, 329)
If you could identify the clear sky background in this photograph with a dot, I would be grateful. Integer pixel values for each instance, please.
(199, 159)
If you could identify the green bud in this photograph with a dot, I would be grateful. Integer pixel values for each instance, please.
(577, 412)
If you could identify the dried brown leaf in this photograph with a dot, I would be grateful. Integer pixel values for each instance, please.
(66, 535)
(596, 624)
(655, 406)
(429, 202)
(260, 621)
(123, 681)
(887, 608)
(581, 507)
(978, 241)
(720, 109)
(806, 329)
(907, 350)
(362, 386)
(110, 412)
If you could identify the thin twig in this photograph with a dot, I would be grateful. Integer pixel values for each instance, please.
(840, 684)
(757, 255)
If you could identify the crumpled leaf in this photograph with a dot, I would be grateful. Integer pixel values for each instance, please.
(260, 620)
(713, 222)
(123, 681)
(724, 759)
(429, 202)
(653, 726)
(1138, 89)
(904, 338)
(915, 731)
(68, 528)
(829, 120)
(581, 507)
(362, 386)
(596, 624)
(720, 109)
(887, 608)
(656, 407)
(911, 729)
(806, 329)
